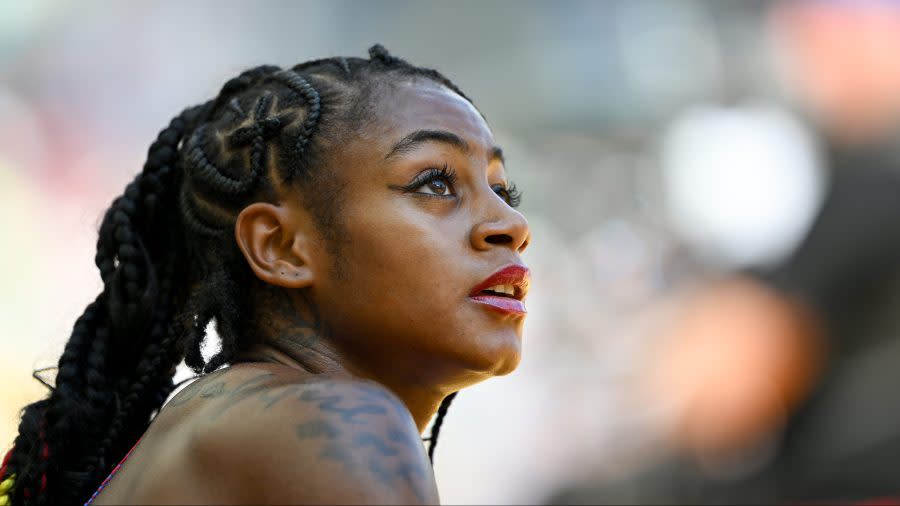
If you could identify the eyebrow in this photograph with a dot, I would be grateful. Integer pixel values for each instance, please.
(497, 154)
(419, 137)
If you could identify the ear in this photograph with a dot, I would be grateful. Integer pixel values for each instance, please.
(278, 244)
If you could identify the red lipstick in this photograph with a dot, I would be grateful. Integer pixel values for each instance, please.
(504, 290)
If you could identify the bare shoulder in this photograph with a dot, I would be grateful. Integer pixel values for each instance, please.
(284, 439)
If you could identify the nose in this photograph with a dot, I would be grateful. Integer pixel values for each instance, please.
(506, 228)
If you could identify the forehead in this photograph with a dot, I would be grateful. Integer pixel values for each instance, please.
(424, 105)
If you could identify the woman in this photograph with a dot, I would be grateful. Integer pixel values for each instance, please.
(348, 227)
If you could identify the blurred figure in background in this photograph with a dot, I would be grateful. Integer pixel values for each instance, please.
(780, 381)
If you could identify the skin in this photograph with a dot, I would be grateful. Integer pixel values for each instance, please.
(359, 341)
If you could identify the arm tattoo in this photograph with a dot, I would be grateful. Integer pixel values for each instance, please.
(271, 399)
(193, 389)
(214, 390)
(243, 392)
(368, 439)
(396, 460)
(348, 414)
(317, 428)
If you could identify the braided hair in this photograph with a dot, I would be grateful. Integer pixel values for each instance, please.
(170, 265)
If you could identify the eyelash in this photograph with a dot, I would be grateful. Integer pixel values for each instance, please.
(429, 175)
(513, 196)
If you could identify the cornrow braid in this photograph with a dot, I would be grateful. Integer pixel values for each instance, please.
(219, 290)
(193, 221)
(296, 83)
(170, 265)
(203, 172)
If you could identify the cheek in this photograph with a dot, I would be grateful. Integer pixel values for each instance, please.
(407, 276)
(402, 261)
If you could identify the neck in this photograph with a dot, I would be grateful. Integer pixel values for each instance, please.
(291, 334)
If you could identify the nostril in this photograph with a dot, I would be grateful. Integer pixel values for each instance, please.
(499, 239)
(524, 245)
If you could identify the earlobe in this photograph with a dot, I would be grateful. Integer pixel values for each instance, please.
(275, 245)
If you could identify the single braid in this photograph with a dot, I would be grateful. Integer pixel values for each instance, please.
(25, 462)
(296, 83)
(200, 169)
(193, 222)
(234, 105)
(97, 395)
(436, 426)
(44, 461)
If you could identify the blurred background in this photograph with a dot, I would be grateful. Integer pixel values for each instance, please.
(711, 185)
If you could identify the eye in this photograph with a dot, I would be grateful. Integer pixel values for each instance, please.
(437, 185)
(510, 194)
(433, 182)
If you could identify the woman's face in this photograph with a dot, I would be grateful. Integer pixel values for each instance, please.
(401, 300)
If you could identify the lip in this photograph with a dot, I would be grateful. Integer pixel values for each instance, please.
(516, 275)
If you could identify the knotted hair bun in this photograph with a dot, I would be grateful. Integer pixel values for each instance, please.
(379, 53)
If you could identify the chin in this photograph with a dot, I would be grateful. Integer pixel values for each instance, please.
(501, 359)
(507, 366)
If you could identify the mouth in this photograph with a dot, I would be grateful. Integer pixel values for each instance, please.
(504, 290)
